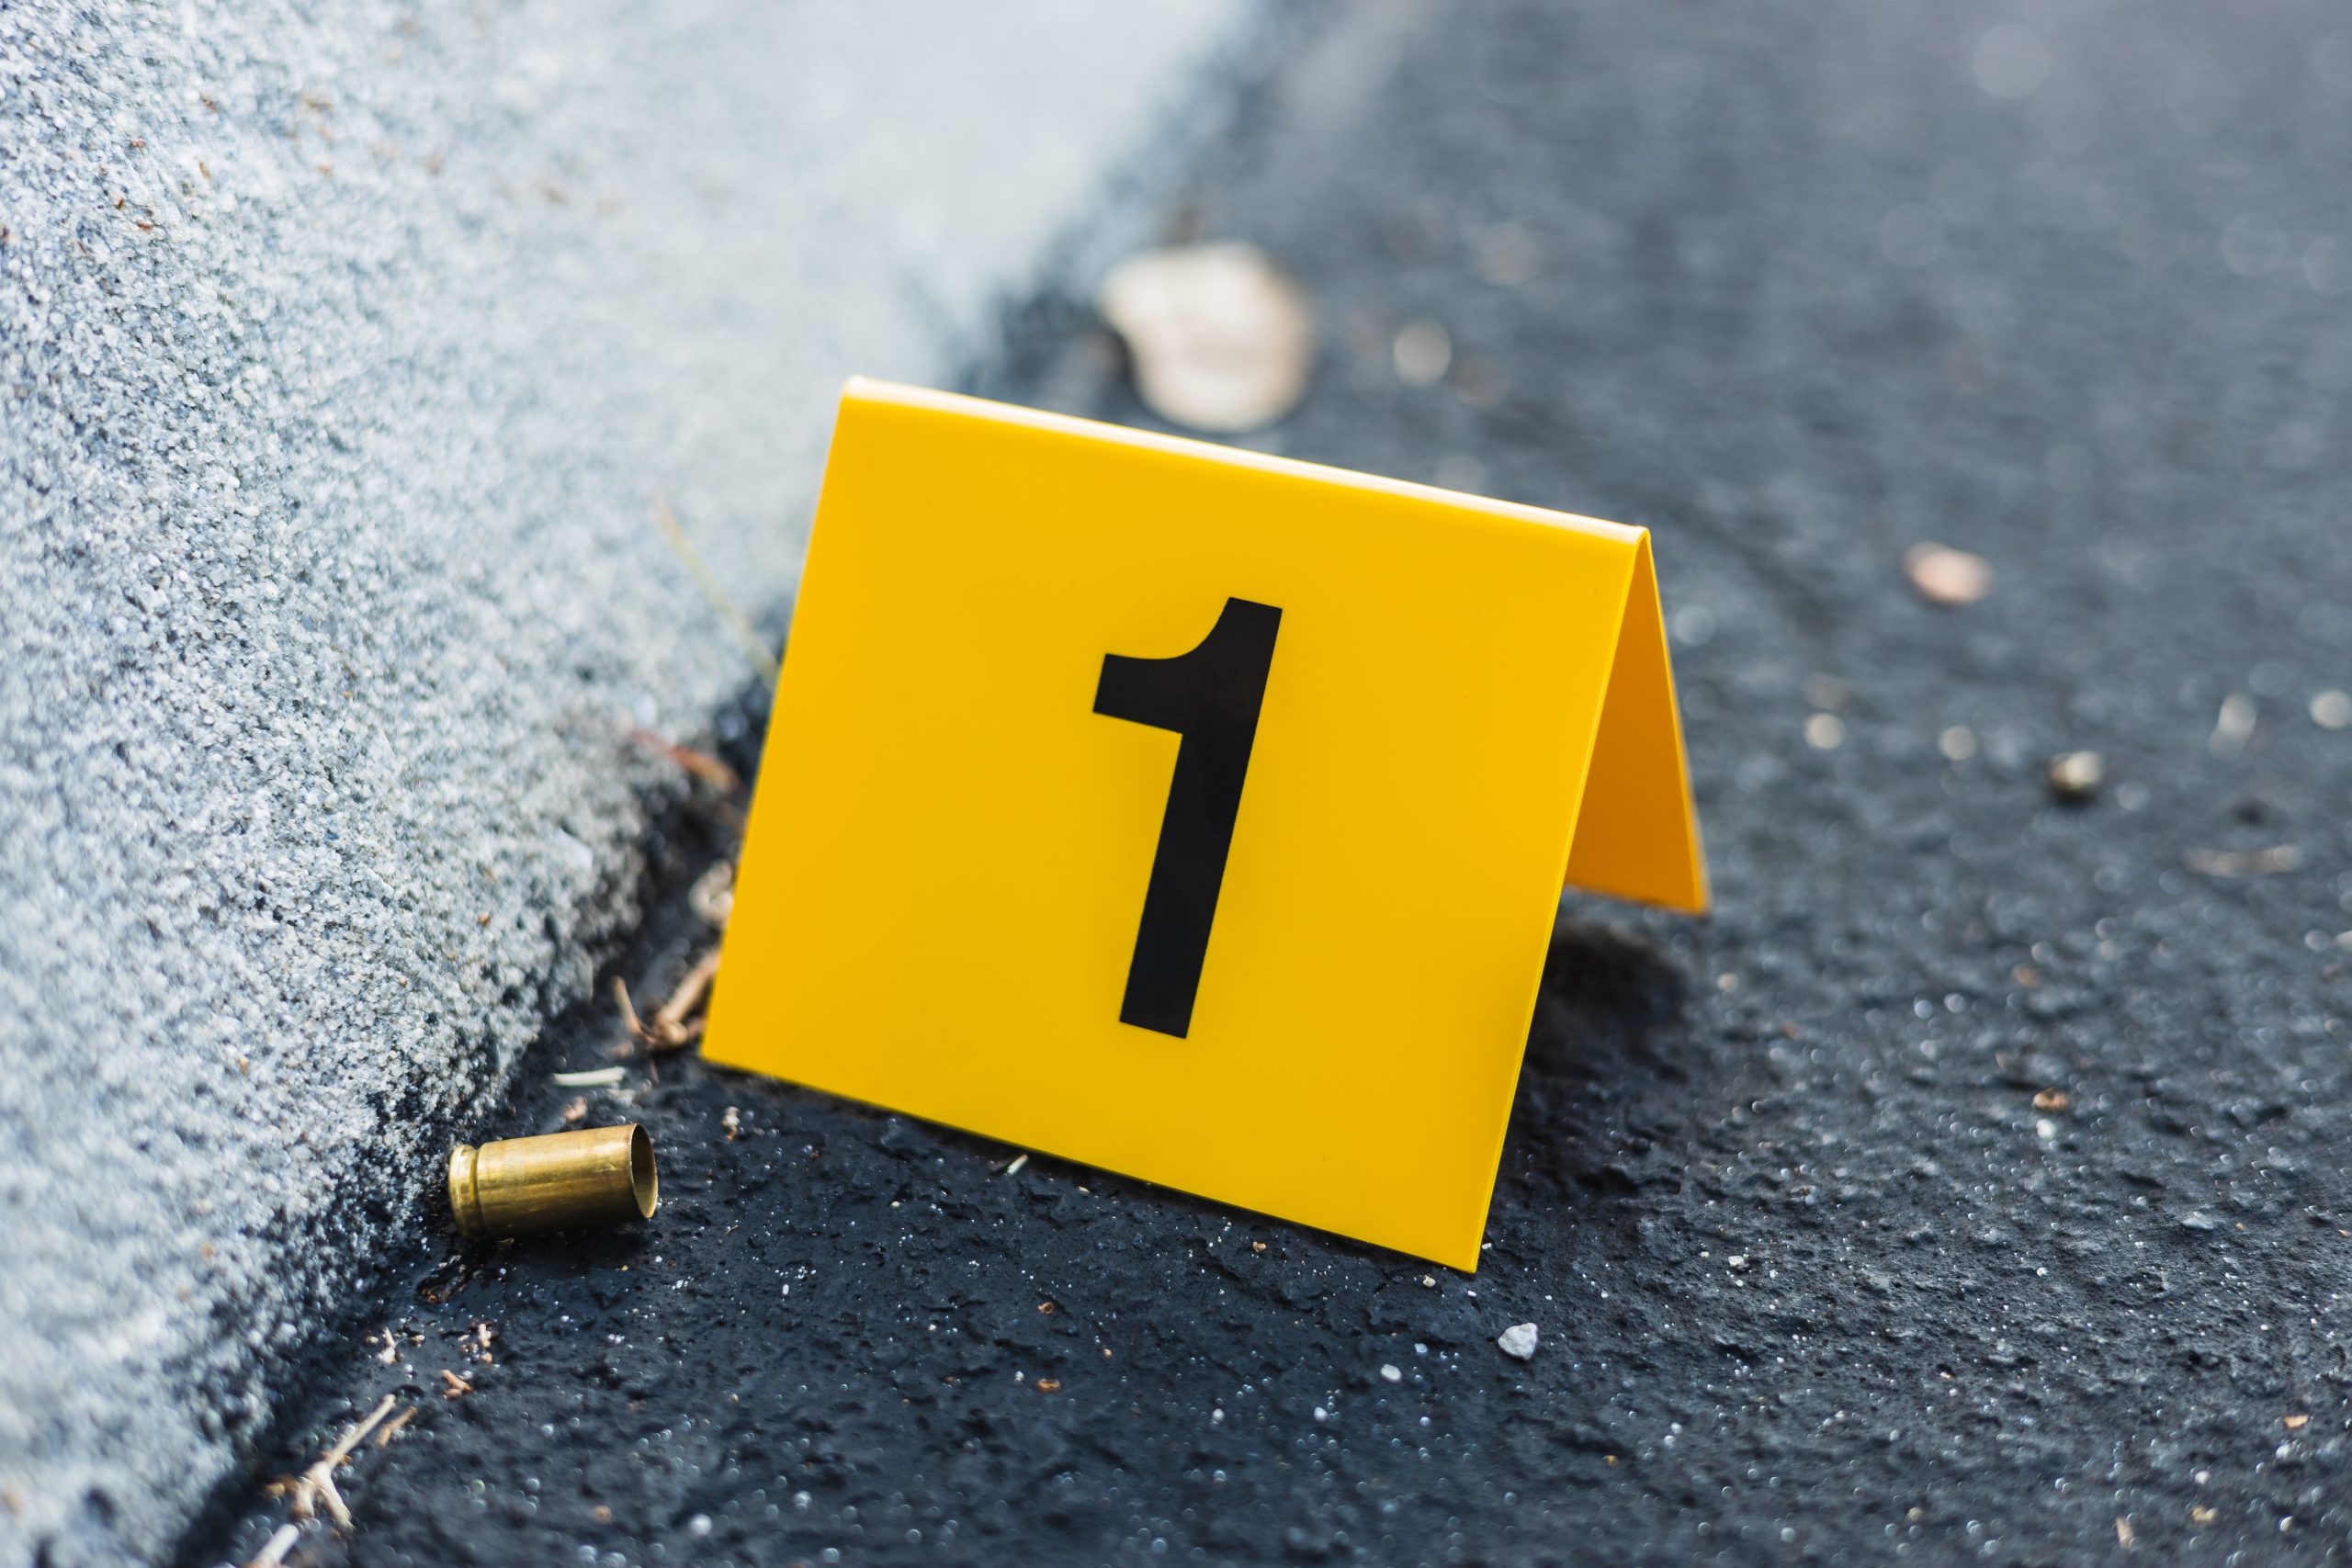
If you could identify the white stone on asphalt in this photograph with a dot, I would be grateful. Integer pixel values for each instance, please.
(1221, 339)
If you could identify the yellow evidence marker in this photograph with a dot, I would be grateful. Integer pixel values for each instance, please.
(1191, 813)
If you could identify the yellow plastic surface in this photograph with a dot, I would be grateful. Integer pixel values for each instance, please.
(949, 853)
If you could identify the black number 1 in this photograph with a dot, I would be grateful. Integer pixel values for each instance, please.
(1211, 697)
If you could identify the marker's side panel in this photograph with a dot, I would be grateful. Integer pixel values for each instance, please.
(1637, 835)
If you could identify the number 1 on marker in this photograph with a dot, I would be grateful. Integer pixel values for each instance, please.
(1210, 696)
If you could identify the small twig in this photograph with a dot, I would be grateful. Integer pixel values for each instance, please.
(273, 1553)
(669, 1024)
(350, 1440)
(628, 1010)
(701, 765)
(392, 1427)
(735, 619)
(670, 1028)
(315, 1486)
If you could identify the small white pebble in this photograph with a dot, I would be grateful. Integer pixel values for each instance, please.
(2076, 776)
(2332, 710)
(1517, 1341)
(1825, 732)
(1422, 352)
(1391, 1373)
(1942, 575)
(699, 1525)
(2233, 726)
(1221, 339)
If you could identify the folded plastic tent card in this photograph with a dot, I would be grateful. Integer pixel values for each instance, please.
(1191, 813)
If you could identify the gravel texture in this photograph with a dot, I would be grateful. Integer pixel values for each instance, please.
(1971, 1186)
(344, 348)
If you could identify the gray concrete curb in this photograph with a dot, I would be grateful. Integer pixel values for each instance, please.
(344, 350)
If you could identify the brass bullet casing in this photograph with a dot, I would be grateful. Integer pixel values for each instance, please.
(599, 1175)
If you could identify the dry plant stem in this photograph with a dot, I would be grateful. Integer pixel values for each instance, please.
(628, 1010)
(670, 1028)
(737, 622)
(315, 1486)
(279, 1544)
(670, 1023)
(700, 764)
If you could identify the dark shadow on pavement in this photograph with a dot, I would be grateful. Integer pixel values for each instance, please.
(1610, 1070)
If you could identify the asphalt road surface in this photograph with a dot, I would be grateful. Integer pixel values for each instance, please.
(1970, 1186)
